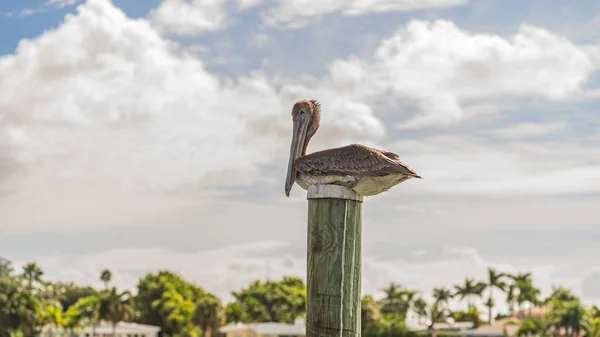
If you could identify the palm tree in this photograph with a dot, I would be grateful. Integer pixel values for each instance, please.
(594, 311)
(32, 273)
(568, 315)
(53, 315)
(73, 319)
(442, 295)
(116, 307)
(533, 327)
(560, 293)
(369, 310)
(470, 290)
(19, 310)
(209, 314)
(522, 283)
(432, 313)
(398, 300)
(528, 293)
(176, 310)
(409, 297)
(6, 268)
(591, 326)
(106, 277)
(392, 291)
(511, 297)
(522, 277)
(89, 309)
(495, 280)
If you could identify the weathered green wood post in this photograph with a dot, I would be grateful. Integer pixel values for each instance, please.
(334, 262)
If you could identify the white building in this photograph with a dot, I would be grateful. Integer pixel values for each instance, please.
(267, 329)
(415, 322)
(105, 329)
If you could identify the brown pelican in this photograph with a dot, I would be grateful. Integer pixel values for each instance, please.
(366, 170)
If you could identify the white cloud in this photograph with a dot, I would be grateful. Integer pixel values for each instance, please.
(245, 4)
(41, 9)
(111, 117)
(476, 166)
(299, 13)
(447, 70)
(107, 117)
(181, 17)
(60, 3)
(524, 130)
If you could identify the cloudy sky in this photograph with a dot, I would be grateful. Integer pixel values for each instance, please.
(139, 135)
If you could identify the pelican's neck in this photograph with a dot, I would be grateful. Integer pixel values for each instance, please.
(305, 146)
(312, 129)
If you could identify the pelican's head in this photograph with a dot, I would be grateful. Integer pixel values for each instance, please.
(306, 115)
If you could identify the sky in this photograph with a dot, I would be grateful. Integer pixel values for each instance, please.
(140, 135)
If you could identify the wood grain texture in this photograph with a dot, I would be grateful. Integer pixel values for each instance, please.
(334, 268)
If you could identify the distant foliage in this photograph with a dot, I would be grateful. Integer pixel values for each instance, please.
(183, 309)
(6, 268)
(270, 301)
(470, 315)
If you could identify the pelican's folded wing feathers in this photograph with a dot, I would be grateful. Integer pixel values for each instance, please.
(355, 160)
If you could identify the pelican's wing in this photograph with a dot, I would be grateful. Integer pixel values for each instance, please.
(355, 160)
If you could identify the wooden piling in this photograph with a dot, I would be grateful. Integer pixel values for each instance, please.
(334, 262)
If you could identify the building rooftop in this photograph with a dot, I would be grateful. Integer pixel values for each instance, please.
(268, 328)
(122, 327)
(495, 329)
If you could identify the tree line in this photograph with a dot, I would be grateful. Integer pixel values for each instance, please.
(182, 309)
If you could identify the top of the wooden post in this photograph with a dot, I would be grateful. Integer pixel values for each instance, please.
(332, 192)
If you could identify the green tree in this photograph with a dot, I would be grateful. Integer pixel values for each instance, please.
(157, 296)
(398, 300)
(70, 293)
(442, 295)
(568, 315)
(388, 326)
(528, 293)
(470, 291)
(19, 310)
(116, 307)
(431, 313)
(591, 326)
(369, 310)
(522, 284)
(106, 277)
(67, 293)
(534, 327)
(511, 297)
(176, 311)
(594, 311)
(561, 294)
(88, 309)
(495, 281)
(73, 319)
(209, 314)
(32, 273)
(6, 268)
(53, 315)
(471, 315)
(233, 313)
(272, 301)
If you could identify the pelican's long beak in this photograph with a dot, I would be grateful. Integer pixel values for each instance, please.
(298, 137)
